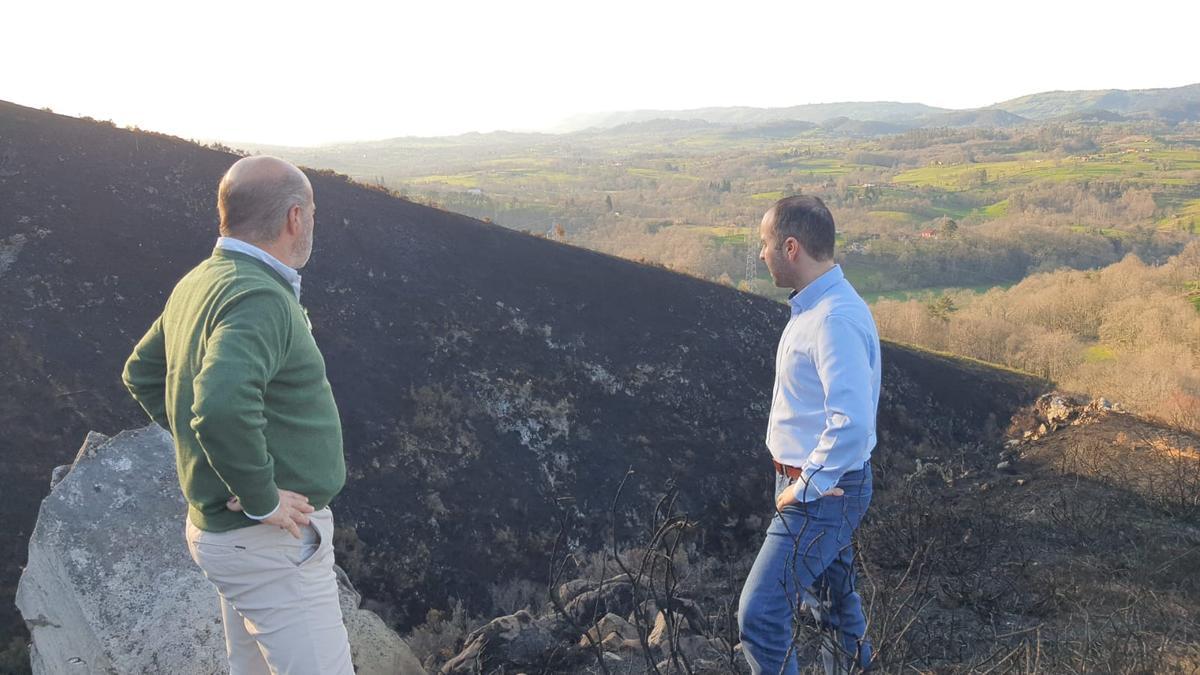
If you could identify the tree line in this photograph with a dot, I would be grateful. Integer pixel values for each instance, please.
(1127, 332)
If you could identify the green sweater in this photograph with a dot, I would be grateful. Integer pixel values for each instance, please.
(231, 369)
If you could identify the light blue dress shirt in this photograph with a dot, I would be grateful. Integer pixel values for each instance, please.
(827, 379)
(289, 275)
(238, 246)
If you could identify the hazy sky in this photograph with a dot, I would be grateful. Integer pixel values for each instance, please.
(307, 73)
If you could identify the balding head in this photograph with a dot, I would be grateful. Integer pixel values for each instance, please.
(255, 196)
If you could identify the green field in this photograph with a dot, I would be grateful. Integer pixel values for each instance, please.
(1040, 195)
(1099, 354)
(1193, 294)
(727, 236)
(896, 216)
(493, 179)
(660, 174)
(915, 197)
(1163, 167)
(1110, 232)
(828, 167)
(967, 176)
(1187, 217)
(996, 210)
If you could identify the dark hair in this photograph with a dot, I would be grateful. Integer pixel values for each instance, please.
(806, 219)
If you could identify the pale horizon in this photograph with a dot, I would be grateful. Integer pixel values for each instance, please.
(302, 74)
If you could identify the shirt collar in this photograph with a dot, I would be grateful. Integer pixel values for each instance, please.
(238, 246)
(804, 299)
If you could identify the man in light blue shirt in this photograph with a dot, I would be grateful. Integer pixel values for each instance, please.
(820, 435)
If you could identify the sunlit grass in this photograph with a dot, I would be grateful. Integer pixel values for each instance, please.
(896, 216)
(1099, 354)
(1135, 163)
(968, 176)
(996, 210)
(1193, 291)
(531, 162)
(660, 174)
(830, 166)
(1187, 217)
(493, 178)
(1103, 231)
(459, 180)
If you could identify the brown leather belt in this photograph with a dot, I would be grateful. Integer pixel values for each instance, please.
(791, 472)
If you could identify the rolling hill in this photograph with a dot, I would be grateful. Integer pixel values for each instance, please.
(1129, 102)
(1176, 103)
(882, 111)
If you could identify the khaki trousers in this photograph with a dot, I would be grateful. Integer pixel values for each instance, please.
(279, 597)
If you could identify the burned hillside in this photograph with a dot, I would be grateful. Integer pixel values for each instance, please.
(488, 380)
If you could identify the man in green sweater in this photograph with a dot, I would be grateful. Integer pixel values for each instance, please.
(231, 370)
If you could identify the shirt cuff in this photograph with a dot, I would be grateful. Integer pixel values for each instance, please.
(254, 517)
(812, 485)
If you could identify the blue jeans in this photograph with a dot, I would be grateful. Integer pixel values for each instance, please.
(807, 558)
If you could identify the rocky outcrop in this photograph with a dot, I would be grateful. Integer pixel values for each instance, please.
(596, 621)
(110, 587)
(1053, 411)
(517, 643)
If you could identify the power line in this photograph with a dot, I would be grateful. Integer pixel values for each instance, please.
(751, 259)
(751, 262)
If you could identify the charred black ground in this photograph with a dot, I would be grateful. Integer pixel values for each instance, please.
(486, 378)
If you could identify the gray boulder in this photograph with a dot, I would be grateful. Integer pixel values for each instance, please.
(110, 588)
(612, 597)
(515, 644)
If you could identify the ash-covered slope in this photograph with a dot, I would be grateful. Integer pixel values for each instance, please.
(487, 379)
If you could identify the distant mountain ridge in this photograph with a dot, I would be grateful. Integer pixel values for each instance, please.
(877, 111)
(1127, 102)
(1173, 105)
(1176, 104)
(976, 118)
